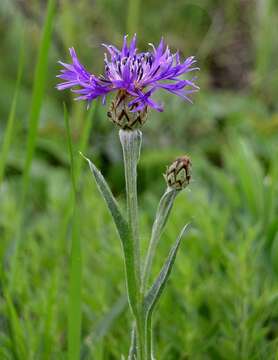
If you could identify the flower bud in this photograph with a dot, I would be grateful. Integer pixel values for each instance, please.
(121, 114)
(178, 173)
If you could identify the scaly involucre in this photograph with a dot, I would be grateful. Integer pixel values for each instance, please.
(137, 74)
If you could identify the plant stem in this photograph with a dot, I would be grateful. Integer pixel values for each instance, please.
(141, 337)
(131, 144)
(132, 349)
(149, 347)
(162, 214)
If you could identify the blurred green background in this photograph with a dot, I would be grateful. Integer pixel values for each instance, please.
(222, 299)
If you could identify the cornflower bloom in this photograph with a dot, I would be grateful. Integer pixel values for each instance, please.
(134, 76)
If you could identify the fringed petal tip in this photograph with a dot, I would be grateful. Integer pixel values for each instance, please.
(137, 74)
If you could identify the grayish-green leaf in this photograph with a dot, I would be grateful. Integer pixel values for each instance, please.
(156, 290)
(123, 231)
(162, 215)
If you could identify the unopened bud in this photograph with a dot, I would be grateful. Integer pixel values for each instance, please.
(121, 114)
(178, 173)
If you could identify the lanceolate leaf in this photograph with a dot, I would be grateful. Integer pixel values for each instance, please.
(111, 202)
(163, 211)
(156, 290)
(123, 230)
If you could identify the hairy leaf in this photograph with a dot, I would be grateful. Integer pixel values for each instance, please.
(123, 231)
(162, 214)
(156, 290)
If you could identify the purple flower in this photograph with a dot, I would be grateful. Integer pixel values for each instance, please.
(137, 74)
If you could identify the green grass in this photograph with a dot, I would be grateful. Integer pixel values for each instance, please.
(222, 298)
(36, 103)
(9, 131)
(75, 275)
(223, 288)
(133, 16)
(37, 95)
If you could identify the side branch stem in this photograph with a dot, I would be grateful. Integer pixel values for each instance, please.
(162, 214)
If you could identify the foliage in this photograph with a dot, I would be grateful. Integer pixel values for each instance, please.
(222, 299)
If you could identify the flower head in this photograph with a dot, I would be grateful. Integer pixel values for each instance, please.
(178, 173)
(135, 74)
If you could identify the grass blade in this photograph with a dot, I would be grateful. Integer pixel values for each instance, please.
(48, 343)
(37, 95)
(133, 16)
(70, 149)
(82, 146)
(74, 309)
(10, 125)
(84, 140)
(19, 347)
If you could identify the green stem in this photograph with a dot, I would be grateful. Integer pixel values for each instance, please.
(140, 344)
(132, 349)
(131, 144)
(149, 347)
(162, 214)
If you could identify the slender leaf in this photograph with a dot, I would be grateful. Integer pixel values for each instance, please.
(47, 341)
(75, 302)
(10, 124)
(19, 347)
(82, 146)
(152, 297)
(38, 92)
(37, 97)
(111, 202)
(74, 309)
(156, 290)
(162, 214)
(70, 148)
(123, 231)
(84, 139)
(250, 178)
